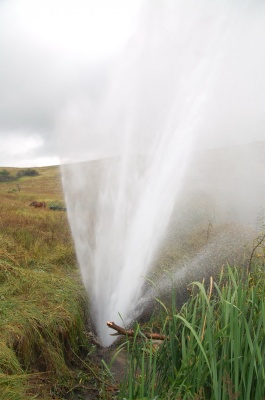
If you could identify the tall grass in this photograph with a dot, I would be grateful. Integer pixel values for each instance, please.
(215, 346)
(42, 300)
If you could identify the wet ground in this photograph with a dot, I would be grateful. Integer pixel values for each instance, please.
(117, 365)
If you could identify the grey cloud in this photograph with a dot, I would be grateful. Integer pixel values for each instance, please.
(42, 93)
(35, 86)
(30, 88)
(213, 51)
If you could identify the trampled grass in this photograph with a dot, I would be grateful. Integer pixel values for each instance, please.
(215, 346)
(42, 300)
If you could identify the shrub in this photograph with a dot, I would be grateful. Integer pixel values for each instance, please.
(27, 172)
(5, 176)
(4, 172)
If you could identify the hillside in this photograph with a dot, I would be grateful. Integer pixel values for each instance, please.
(43, 305)
(42, 301)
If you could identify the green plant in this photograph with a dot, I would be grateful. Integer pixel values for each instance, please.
(27, 172)
(215, 347)
(5, 176)
(4, 172)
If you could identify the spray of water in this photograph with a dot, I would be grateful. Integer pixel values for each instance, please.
(149, 120)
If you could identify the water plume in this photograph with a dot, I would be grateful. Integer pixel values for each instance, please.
(147, 123)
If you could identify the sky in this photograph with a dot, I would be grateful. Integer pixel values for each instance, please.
(60, 60)
(49, 50)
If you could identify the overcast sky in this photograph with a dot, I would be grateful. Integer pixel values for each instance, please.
(49, 50)
(57, 59)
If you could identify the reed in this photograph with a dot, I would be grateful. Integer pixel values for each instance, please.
(215, 348)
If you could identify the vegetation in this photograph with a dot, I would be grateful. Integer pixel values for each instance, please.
(215, 346)
(27, 172)
(6, 176)
(44, 349)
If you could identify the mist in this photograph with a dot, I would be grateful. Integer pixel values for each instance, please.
(178, 124)
(150, 73)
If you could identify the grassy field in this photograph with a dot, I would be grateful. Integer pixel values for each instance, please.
(215, 343)
(42, 301)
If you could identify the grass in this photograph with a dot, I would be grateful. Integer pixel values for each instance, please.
(215, 348)
(216, 341)
(43, 341)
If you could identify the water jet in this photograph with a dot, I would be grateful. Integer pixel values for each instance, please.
(156, 112)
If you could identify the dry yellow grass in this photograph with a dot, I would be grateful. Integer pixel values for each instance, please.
(42, 300)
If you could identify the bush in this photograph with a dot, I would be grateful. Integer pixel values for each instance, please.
(27, 172)
(5, 176)
(4, 172)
